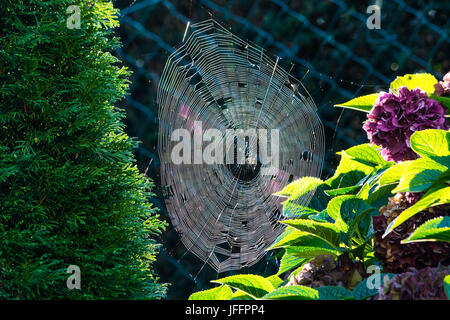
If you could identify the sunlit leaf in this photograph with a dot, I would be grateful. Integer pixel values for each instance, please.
(419, 175)
(324, 230)
(293, 293)
(289, 262)
(424, 81)
(299, 187)
(432, 144)
(434, 197)
(275, 280)
(253, 285)
(363, 103)
(219, 293)
(437, 229)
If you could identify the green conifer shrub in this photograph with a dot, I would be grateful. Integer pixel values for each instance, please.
(70, 193)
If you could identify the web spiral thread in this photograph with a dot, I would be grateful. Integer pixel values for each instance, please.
(227, 214)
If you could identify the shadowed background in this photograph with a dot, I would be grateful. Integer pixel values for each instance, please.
(325, 43)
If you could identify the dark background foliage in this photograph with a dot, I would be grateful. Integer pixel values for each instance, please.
(331, 49)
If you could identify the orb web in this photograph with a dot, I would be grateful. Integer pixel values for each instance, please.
(226, 213)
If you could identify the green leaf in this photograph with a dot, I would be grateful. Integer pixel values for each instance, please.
(309, 251)
(350, 214)
(334, 293)
(445, 101)
(289, 237)
(319, 199)
(293, 293)
(377, 199)
(362, 223)
(424, 81)
(299, 187)
(444, 179)
(239, 295)
(349, 172)
(437, 229)
(289, 262)
(367, 153)
(219, 293)
(294, 210)
(253, 285)
(363, 103)
(419, 175)
(322, 216)
(345, 209)
(434, 197)
(310, 246)
(447, 286)
(324, 230)
(275, 280)
(393, 174)
(342, 191)
(362, 291)
(360, 250)
(432, 144)
(371, 182)
(309, 240)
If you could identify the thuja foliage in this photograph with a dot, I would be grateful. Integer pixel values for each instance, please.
(327, 249)
(70, 193)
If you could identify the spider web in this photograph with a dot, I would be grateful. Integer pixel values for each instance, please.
(226, 214)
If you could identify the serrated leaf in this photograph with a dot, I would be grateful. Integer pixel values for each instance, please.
(309, 252)
(296, 271)
(275, 280)
(253, 285)
(363, 103)
(309, 240)
(433, 197)
(294, 210)
(293, 293)
(319, 198)
(290, 236)
(289, 262)
(424, 81)
(239, 295)
(367, 154)
(437, 229)
(219, 293)
(324, 230)
(299, 187)
(393, 174)
(419, 175)
(432, 144)
(334, 293)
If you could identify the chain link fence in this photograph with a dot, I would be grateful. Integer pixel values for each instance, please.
(325, 43)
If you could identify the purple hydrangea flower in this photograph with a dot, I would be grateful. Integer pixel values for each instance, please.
(396, 116)
(442, 88)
